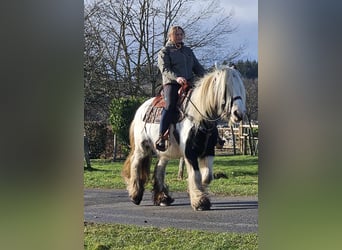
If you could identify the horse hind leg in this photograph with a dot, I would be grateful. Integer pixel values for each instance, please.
(139, 170)
(137, 183)
(160, 190)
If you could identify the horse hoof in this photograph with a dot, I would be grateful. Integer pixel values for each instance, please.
(204, 205)
(203, 208)
(136, 201)
(166, 202)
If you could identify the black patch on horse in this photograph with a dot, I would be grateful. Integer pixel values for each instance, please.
(201, 142)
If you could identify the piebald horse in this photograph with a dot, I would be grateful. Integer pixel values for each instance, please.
(220, 94)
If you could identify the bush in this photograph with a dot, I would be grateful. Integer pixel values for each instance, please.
(122, 112)
(100, 138)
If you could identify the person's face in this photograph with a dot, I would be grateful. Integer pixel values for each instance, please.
(177, 36)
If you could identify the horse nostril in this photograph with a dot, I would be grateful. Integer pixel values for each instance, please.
(238, 115)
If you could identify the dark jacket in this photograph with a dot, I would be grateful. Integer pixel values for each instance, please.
(181, 62)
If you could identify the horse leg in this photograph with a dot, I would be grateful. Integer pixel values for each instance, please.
(161, 195)
(206, 168)
(139, 175)
(198, 197)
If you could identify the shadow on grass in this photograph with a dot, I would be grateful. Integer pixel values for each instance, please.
(222, 175)
(91, 169)
(246, 162)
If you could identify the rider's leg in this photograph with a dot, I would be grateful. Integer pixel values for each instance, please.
(168, 114)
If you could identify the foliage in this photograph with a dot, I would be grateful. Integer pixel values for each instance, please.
(122, 112)
(240, 176)
(255, 132)
(98, 136)
(105, 236)
(248, 69)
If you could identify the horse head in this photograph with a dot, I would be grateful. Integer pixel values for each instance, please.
(219, 95)
(234, 103)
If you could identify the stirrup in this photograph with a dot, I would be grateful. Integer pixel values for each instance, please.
(160, 144)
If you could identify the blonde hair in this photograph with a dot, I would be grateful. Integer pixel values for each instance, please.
(173, 31)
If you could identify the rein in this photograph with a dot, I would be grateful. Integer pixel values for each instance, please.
(218, 118)
(204, 116)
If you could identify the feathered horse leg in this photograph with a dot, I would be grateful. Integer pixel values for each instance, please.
(198, 197)
(161, 195)
(136, 169)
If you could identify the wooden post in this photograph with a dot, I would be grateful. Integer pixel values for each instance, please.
(234, 141)
(114, 147)
(245, 144)
(181, 169)
(251, 140)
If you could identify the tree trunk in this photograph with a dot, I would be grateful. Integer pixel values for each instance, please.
(86, 152)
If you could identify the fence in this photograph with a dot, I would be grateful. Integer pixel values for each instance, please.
(239, 140)
(242, 139)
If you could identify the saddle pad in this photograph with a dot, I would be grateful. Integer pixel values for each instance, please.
(153, 114)
(154, 111)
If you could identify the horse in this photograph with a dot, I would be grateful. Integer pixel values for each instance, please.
(219, 94)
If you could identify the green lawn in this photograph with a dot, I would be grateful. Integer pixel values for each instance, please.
(104, 236)
(240, 176)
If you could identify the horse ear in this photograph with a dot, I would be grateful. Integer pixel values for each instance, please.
(219, 67)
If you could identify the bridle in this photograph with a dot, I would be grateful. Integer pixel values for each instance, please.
(223, 113)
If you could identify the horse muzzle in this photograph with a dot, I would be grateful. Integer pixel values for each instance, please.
(236, 115)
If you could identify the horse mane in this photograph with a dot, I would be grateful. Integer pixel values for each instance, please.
(211, 95)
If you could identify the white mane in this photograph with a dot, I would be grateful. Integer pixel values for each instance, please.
(213, 93)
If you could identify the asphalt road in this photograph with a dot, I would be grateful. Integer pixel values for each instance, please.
(227, 214)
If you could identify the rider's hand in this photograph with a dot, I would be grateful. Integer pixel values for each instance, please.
(181, 80)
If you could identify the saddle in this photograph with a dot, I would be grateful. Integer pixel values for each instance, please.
(154, 111)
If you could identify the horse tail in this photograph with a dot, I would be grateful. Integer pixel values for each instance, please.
(126, 170)
(144, 163)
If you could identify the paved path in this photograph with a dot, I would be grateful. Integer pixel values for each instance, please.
(227, 214)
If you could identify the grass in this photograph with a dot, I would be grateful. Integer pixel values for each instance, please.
(239, 176)
(104, 236)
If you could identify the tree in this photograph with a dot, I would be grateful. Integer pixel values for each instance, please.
(122, 39)
(248, 69)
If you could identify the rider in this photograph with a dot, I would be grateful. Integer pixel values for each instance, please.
(178, 65)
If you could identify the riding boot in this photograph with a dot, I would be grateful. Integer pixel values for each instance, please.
(160, 143)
